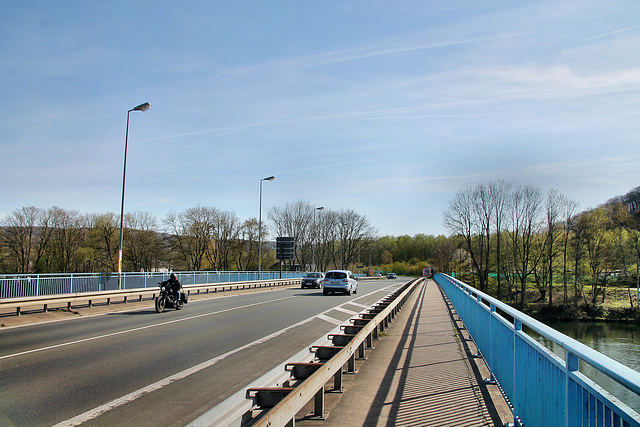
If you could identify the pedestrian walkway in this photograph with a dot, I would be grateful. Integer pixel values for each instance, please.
(422, 373)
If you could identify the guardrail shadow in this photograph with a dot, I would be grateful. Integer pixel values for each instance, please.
(379, 400)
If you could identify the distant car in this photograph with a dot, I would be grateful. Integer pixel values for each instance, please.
(378, 274)
(339, 281)
(392, 276)
(312, 280)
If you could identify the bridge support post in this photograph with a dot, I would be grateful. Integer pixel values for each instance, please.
(337, 380)
(361, 351)
(351, 364)
(318, 403)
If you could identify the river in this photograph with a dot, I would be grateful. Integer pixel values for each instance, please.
(619, 341)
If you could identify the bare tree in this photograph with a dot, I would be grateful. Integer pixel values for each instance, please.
(599, 249)
(500, 193)
(68, 234)
(444, 253)
(226, 234)
(461, 219)
(526, 209)
(103, 235)
(192, 233)
(484, 207)
(26, 233)
(353, 230)
(554, 204)
(578, 226)
(295, 220)
(246, 254)
(143, 246)
(327, 236)
(569, 211)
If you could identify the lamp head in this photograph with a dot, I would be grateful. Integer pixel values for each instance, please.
(269, 178)
(142, 107)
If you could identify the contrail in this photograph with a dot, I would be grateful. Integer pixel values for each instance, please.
(621, 30)
(234, 130)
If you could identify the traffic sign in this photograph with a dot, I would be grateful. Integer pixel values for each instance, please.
(284, 248)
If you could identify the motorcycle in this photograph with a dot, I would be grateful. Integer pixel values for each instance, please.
(167, 299)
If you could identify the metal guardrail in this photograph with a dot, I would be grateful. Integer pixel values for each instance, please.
(308, 379)
(542, 388)
(90, 297)
(24, 285)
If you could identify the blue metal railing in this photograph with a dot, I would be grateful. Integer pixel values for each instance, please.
(14, 285)
(542, 388)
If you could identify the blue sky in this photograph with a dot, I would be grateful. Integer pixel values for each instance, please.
(387, 108)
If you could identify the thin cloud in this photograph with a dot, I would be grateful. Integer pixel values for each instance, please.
(611, 33)
(359, 53)
(229, 132)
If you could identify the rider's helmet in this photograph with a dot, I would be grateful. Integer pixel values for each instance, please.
(173, 276)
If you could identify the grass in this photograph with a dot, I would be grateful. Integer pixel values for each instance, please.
(616, 306)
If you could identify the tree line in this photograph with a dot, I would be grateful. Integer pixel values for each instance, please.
(511, 241)
(56, 240)
(513, 238)
(507, 240)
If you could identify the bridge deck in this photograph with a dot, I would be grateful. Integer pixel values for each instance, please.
(421, 374)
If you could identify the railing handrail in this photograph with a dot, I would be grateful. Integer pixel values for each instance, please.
(532, 376)
(23, 285)
(609, 366)
(135, 273)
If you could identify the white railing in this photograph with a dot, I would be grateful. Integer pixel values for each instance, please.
(543, 389)
(90, 298)
(23, 285)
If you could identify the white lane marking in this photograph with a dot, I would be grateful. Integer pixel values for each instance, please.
(359, 305)
(344, 310)
(94, 413)
(329, 319)
(35, 350)
(86, 316)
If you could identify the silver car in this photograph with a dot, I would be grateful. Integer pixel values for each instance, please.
(312, 280)
(339, 281)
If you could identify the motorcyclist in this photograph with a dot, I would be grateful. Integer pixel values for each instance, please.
(174, 285)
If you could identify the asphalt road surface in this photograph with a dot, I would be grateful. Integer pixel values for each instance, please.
(138, 367)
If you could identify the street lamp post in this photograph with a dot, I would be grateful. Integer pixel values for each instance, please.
(269, 178)
(141, 107)
(315, 238)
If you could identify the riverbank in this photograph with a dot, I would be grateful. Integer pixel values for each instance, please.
(616, 306)
(583, 313)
